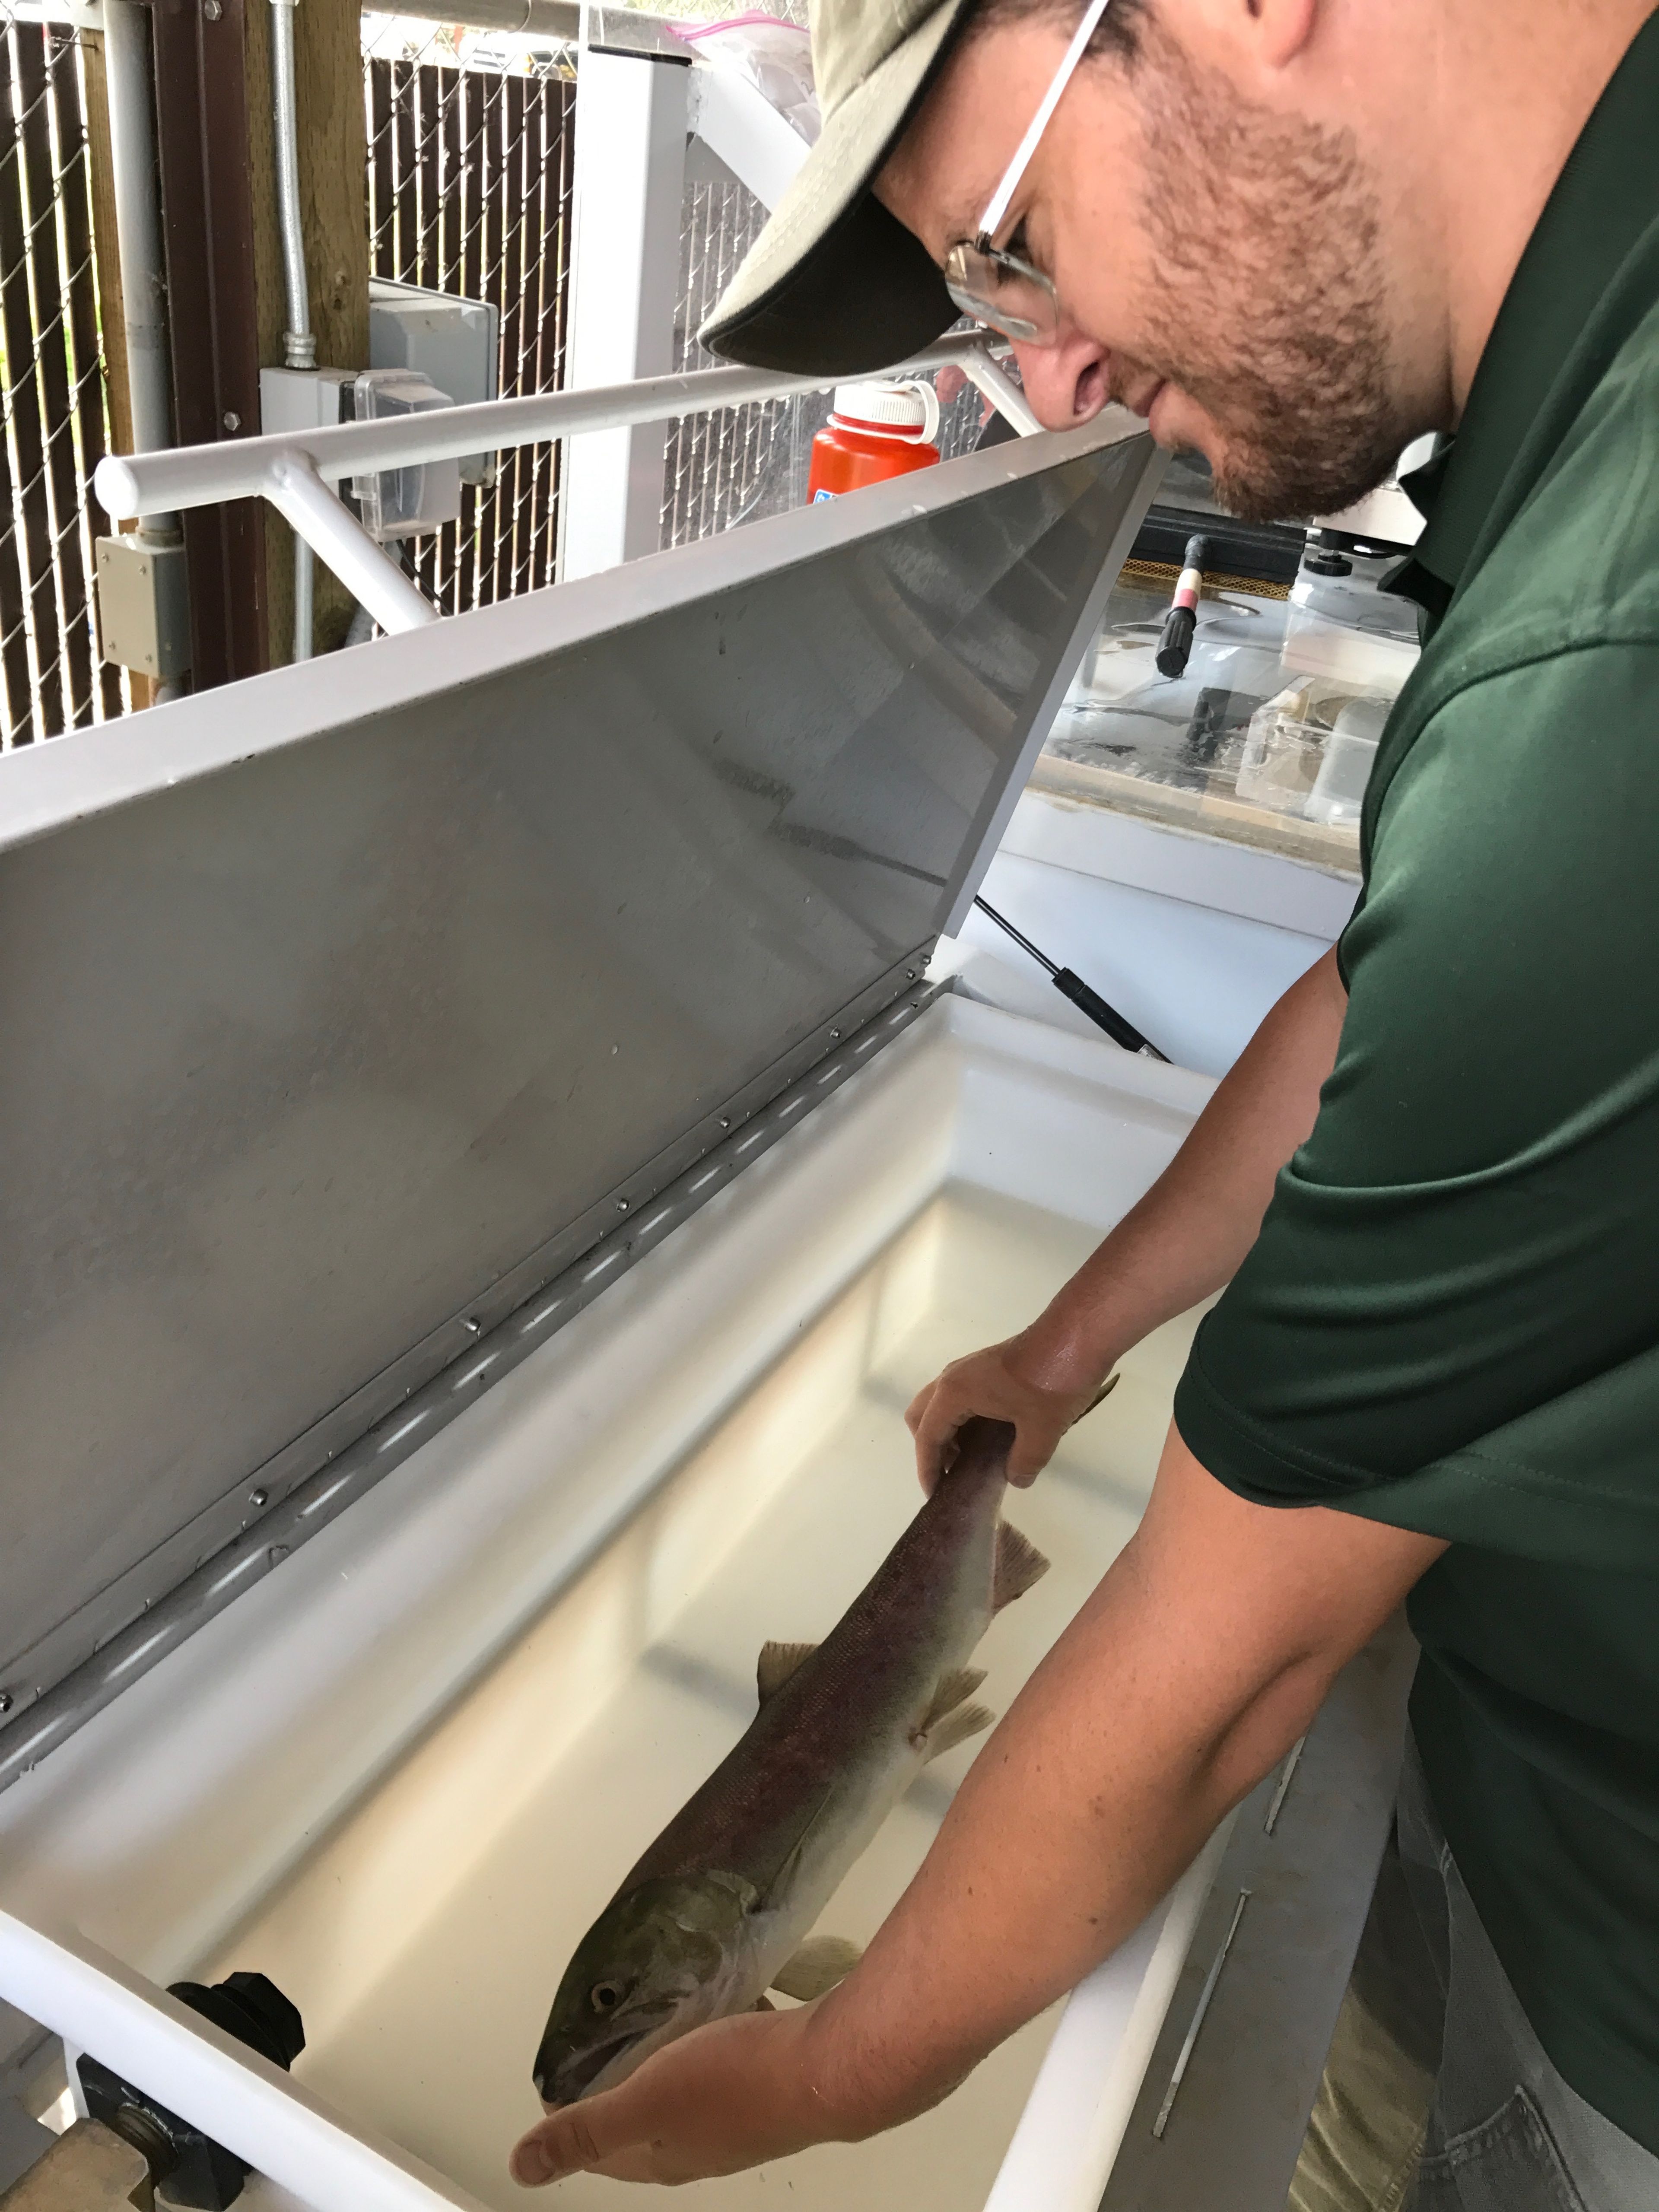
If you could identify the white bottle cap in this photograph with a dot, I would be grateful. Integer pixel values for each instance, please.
(882, 403)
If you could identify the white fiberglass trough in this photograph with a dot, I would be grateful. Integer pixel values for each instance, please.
(403, 1773)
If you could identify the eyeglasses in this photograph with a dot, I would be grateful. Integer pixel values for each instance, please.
(996, 288)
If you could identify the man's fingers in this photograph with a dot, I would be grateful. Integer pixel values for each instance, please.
(935, 1434)
(1031, 1451)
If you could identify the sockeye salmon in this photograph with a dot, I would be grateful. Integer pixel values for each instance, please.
(719, 1909)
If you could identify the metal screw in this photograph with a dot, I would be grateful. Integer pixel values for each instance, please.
(212, 10)
(726, 1120)
(259, 1497)
(470, 1326)
(909, 975)
(622, 1205)
(232, 420)
(834, 1033)
(5, 1701)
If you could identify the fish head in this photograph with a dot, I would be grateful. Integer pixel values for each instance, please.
(661, 1958)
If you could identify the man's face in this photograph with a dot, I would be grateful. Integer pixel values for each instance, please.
(1218, 264)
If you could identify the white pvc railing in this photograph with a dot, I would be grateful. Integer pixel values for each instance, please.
(296, 470)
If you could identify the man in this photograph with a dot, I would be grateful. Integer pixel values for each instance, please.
(1297, 234)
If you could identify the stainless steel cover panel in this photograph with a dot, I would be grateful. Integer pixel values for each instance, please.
(316, 1062)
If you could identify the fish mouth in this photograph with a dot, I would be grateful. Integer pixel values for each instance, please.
(573, 2077)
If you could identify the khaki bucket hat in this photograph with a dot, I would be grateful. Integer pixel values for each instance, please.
(835, 284)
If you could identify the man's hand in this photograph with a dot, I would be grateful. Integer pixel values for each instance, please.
(1021, 1380)
(723, 2098)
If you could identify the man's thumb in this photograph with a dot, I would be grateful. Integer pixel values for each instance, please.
(566, 2141)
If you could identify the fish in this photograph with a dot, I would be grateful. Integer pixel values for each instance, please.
(720, 1908)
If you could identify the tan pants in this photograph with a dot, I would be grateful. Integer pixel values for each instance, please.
(1437, 2096)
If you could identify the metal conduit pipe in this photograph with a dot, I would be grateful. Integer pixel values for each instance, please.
(138, 242)
(299, 345)
(299, 342)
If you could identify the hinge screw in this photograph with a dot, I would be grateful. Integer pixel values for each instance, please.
(622, 1205)
(257, 1499)
(5, 1701)
(472, 1328)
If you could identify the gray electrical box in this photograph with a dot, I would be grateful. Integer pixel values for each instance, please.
(144, 605)
(454, 343)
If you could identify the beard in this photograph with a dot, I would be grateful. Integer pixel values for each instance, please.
(1268, 226)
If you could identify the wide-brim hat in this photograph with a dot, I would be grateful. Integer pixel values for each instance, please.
(835, 284)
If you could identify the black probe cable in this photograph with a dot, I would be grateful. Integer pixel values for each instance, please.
(1103, 1017)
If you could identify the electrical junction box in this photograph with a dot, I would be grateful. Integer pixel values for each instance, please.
(304, 399)
(144, 605)
(455, 342)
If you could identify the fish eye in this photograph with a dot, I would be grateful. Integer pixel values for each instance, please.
(605, 1996)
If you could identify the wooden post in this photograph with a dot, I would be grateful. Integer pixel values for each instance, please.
(333, 164)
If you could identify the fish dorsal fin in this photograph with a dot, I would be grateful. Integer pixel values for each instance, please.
(1019, 1564)
(820, 1963)
(954, 1688)
(777, 1664)
(955, 1727)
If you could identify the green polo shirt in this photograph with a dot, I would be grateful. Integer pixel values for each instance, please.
(1450, 1320)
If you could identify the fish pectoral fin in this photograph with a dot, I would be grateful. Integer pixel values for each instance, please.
(1019, 1564)
(777, 1664)
(954, 1689)
(955, 1727)
(820, 1963)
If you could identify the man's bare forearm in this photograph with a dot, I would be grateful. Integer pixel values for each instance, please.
(1187, 1236)
(1183, 1241)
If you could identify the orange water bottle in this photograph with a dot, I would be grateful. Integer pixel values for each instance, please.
(877, 430)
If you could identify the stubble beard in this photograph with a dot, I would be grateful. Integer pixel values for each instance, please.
(1266, 233)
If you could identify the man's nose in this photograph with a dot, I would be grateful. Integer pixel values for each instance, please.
(1064, 382)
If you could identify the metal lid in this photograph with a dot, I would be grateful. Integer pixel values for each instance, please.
(341, 1016)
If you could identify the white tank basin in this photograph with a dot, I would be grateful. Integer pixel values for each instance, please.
(403, 1773)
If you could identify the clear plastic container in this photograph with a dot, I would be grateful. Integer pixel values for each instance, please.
(1309, 748)
(403, 502)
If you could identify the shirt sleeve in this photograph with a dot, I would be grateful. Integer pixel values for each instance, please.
(1451, 1315)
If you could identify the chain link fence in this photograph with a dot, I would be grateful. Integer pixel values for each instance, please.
(470, 141)
(470, 145)
(54, 400)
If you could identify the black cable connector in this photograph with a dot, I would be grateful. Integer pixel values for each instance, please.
(1088, 1001)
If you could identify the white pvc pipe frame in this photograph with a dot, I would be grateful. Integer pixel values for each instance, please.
(297, 470)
